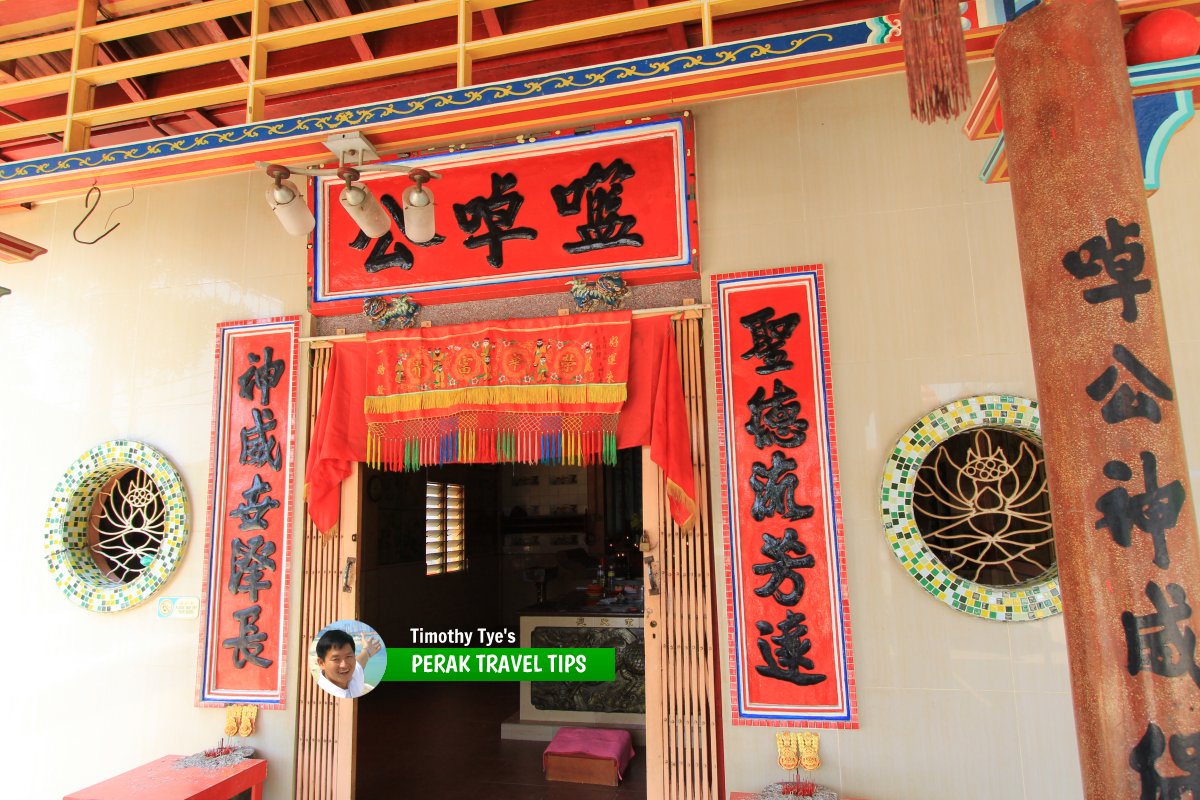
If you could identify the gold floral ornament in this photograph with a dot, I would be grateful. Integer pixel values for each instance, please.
(809, 744)
(965, 509)
(986, 512)
(798, 750)
(789, 758)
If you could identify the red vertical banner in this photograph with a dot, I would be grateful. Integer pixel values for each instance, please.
(785, 560)
(248, 550)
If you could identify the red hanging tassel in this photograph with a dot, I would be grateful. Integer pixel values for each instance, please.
(935, 59)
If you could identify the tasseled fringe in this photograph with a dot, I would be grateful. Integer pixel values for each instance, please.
(569, 448)
(935, 59)
(529, 394)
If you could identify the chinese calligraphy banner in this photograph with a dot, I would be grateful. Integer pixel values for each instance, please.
(518, 218)
(247, 553)
(785, 558)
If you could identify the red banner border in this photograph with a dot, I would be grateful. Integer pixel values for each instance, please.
(847, 717)
(274, 700)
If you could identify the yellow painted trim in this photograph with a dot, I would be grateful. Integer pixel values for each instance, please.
(165, 20)
(361, 71)
(80, 94)
(369, 22)
(597, 27)
(465, 18)
(40, 25)
(50, 43)
(34, 127)
(489, 5)
(164, 62)
(723, 7)
(35, 87)
(163, 105)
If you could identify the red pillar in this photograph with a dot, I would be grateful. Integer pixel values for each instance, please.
(1123, 511)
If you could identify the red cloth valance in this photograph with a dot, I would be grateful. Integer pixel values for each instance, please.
(654, 414)
(525, 390)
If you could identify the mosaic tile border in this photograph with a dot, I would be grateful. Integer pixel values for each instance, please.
(66, 545)
(1037, 599)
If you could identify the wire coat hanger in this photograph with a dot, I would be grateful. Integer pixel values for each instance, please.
(91, 208)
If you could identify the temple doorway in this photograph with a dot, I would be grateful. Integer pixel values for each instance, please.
(680, 757)
(545, 555)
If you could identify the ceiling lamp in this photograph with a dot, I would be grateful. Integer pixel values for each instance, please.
(285, 200)
(418, 208)
(362, 206)
(356, 197)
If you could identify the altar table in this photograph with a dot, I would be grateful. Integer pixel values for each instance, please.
(159, 780)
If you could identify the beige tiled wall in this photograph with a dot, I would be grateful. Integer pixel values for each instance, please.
(107, 341)
(925, 306)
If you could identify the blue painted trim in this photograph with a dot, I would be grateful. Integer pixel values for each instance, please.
(1163, 71)
(989, 166)
(763, 50)
(1158, 117)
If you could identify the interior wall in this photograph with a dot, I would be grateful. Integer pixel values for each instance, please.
(109, 341)
(395, 593)
(925, 306)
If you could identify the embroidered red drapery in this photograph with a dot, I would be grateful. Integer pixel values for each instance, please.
(529, 390)
(654, 414)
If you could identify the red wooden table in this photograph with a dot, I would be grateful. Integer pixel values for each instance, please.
(159, 780)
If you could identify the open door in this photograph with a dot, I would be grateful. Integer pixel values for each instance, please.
(682, 717)
(329, 591)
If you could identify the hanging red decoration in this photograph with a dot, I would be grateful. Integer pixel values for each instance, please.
(935, 59)
(1162, 35)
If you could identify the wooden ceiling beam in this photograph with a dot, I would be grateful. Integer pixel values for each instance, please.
(491, 21)
(217, 33)
(675, 32)
(358, 41)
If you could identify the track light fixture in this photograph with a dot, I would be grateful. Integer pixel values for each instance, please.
(356, 197)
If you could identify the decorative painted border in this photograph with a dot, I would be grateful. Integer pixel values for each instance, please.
(1162, 104)
(224, 383)
(66, 545)
(698, 61)
(847, 717)
(1035, 600)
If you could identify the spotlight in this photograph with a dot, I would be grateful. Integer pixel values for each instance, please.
(418, 208)
(356, 197)
(362, 206)
(284, 199)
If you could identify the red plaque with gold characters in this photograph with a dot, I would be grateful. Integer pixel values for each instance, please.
(785, 559)
(248, 549)
(519, 218)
